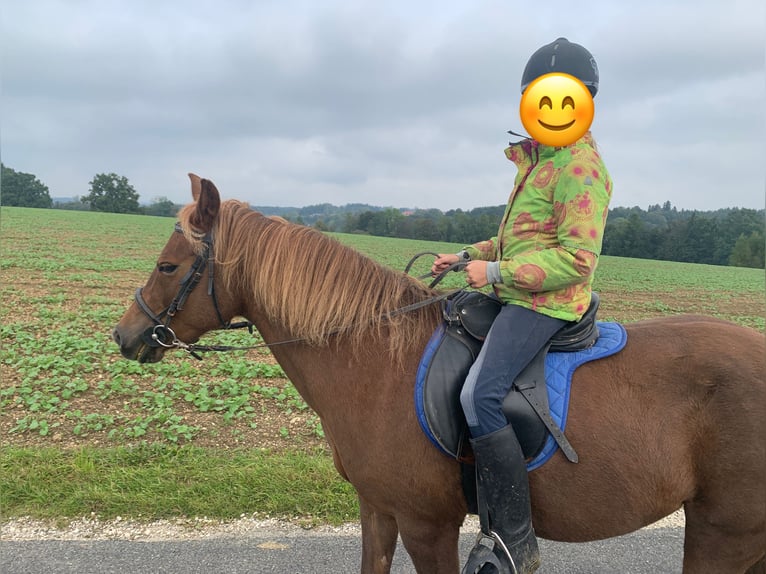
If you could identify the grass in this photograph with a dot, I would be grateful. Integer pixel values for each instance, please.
(84, 430)
(159, 481)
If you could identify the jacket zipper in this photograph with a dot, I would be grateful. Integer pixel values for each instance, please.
(504, 222)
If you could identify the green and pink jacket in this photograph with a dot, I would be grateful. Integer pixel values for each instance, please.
(550, 237)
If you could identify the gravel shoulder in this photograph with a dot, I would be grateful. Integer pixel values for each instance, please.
(202, 528)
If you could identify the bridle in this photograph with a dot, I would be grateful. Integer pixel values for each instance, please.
(161, 335)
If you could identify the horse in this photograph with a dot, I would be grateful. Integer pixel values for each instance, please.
(676, 419)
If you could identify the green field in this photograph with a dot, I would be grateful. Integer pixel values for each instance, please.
(67, 277)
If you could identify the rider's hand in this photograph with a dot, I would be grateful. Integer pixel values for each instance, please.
(476, 274)
(443, 262)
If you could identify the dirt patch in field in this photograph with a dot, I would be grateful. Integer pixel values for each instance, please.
(635, 306)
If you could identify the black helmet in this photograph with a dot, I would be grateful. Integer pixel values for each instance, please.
(562, 56)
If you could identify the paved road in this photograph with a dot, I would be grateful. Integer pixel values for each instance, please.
(649, 551)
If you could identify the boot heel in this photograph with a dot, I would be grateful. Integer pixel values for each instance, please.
(525, 549)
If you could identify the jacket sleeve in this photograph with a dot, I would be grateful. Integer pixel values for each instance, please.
(483, 250)
(581, 203)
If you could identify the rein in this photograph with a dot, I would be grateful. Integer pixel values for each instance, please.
(161, 335)
(459, 266)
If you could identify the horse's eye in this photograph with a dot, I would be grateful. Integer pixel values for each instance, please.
(167, 268)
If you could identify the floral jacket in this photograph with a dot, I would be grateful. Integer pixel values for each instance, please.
(550, 236)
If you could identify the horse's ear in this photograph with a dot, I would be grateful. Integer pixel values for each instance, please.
(196, 183)
(208, 201)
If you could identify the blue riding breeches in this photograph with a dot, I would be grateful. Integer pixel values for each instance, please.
(516, 336)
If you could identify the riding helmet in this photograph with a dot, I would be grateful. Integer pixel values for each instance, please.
(563, 56)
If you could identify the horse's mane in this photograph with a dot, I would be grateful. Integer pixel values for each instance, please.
(312, 284)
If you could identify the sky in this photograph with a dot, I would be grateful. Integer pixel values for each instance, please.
(402, 103)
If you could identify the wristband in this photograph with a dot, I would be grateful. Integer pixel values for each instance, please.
(493, 272)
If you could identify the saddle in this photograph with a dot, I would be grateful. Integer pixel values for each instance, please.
(453, 349)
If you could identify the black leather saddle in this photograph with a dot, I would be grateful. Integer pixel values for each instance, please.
(468, 317)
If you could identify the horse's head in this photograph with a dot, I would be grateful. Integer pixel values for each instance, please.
(179, 301)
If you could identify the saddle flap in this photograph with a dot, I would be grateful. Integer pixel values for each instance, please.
(526, 422)
(443, 368)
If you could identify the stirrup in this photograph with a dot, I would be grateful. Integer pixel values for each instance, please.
(483, 553)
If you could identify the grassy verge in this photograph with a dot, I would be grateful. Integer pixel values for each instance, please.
(149, 482)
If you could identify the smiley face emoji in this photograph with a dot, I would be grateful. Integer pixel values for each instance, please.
(556, 109)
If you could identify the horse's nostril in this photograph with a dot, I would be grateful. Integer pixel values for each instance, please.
(116, 336)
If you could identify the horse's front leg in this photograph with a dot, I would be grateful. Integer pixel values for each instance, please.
(432, 544)
(379, 532)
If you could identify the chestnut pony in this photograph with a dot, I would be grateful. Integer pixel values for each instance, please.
(675, 419)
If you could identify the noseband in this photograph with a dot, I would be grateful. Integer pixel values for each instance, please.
(160, 334)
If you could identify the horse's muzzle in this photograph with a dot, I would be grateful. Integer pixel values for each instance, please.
(135, 349)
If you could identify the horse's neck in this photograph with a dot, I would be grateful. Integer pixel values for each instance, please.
(325, 375)
(306, 366)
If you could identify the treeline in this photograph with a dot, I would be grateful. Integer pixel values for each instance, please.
(730, 236)
(159, 207)
(724, 237)
(426, 224)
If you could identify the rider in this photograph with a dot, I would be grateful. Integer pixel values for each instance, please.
(541, 266)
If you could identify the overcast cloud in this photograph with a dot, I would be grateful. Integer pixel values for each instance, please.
(401, 103)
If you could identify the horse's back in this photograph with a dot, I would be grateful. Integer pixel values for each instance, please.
(711, 368)
(729, 354)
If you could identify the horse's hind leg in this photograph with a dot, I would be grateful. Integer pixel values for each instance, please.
(379, 532)
(722, 542)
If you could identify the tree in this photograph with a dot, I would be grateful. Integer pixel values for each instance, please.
(113, 193)
(23, 189)
(732, 224)
(629, 237)
(385, 223)
(162, 207)
(749, 251)
(701, 238)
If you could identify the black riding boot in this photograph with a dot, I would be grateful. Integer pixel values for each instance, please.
(508, 542)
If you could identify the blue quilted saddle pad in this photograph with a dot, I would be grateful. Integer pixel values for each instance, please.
(559, 368)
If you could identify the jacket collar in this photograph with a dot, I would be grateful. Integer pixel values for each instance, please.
(522, 153)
